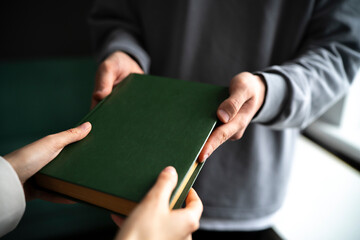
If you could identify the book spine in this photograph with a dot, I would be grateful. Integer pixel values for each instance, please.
(190, 183)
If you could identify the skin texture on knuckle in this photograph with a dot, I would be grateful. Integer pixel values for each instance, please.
(233, 106)
(106, 66)
(219, 138)
(223, 136)
(242, 81)
(71, 135)
(73, 131)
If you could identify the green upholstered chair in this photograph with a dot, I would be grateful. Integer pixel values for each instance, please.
(39, 98)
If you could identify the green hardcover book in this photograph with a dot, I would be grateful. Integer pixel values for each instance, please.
(144, 125)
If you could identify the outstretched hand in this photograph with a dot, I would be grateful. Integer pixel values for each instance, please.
(28, 160)
(152, 218)
(111, 72)
(247, 93)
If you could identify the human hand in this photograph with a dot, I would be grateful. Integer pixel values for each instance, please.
(152, 218)
(29, 159)
(111, 72)
(247, 93)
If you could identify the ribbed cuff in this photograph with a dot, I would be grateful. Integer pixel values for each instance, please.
(276, 95)
(120, 40)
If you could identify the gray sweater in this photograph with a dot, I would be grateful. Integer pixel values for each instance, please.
(307, 52)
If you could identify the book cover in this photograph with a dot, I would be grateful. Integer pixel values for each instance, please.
(145, 124)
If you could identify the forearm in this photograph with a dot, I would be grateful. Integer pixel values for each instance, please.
(302, 89)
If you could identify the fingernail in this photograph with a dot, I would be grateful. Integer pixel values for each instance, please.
(85, 126)
(170, 169)
(224, 115)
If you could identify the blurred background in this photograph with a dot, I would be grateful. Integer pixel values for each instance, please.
(46, 79)
(43, 29)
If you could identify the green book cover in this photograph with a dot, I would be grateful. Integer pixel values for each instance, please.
(145, 124)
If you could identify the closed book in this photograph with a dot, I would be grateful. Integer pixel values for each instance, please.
(145, 124)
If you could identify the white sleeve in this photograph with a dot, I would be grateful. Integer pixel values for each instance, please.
(12, 198)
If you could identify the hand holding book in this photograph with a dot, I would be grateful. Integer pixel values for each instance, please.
(247, 95)
(145, 124)
(29, 159)
(110, 73)
(153, 219)
(149, 217)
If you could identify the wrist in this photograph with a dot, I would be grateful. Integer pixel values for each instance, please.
(262, 92)
(136, 63)
(13, 163)
(124, 62)
(275, 96)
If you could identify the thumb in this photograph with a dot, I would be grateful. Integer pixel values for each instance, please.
(30, 159)
(104, 81)
(239, 94)
(60, 140)
(104, 85)
(50, 146)
(163, 187)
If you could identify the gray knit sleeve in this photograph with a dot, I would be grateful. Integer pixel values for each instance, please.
(300, 90)
(115, 27)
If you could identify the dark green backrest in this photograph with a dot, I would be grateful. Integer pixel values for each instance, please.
(39, 98)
